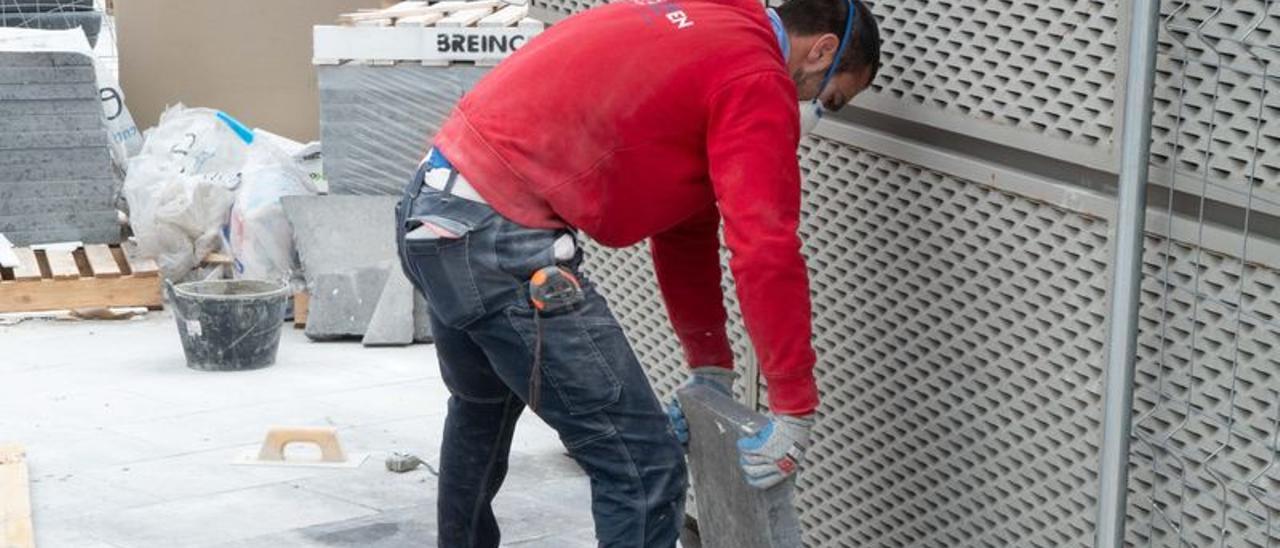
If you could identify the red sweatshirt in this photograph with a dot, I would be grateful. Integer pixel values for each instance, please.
(655, 119)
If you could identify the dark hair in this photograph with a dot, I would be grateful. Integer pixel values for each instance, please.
(809, 17)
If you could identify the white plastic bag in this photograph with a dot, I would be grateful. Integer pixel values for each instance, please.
(259, 236)
(198, 140)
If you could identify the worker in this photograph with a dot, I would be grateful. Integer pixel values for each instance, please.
(642, 119)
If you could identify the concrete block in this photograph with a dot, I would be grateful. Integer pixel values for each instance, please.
(342, 303)
(732, 514)
(392, 323)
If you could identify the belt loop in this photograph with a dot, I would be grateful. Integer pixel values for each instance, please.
(453, 179)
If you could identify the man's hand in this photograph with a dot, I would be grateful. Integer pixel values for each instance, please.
(718, 378)
(775, 452)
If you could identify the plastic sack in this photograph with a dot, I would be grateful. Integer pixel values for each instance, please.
(181, 186)
(197, 140)
(259, 235)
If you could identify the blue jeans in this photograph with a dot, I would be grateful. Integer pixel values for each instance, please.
(594, 392)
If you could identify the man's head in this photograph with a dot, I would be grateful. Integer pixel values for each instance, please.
(814, 28)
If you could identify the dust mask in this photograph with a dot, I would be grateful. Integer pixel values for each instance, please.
(810, 113)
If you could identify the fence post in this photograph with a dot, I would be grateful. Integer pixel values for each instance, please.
(1113, 476)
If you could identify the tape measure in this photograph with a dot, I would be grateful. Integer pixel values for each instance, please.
(554, 288)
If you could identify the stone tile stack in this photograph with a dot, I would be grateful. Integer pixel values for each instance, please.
(57, 181)
(52, 15)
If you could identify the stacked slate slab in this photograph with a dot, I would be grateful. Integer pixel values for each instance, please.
(376, 120)
(52, 15)
(57, 181)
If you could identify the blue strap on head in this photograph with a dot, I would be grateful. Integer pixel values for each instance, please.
(844, 43)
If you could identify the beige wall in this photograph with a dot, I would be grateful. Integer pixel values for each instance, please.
(250, 58)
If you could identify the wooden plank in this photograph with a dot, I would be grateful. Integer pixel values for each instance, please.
(142, 267)
(62, 265)
(465, 18)
(28, 268)
(7, 258)
(15, 499)
(505, 17)
(128, 291)
(102, 261)
(301, 305)
(423, 20)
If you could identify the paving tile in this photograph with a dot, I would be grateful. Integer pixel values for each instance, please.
(411, 526)
(65, 495)
(372, 485)
(226, 517)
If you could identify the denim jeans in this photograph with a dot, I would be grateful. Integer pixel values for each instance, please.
(593, 391)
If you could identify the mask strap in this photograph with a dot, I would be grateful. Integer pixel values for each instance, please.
(844, 43)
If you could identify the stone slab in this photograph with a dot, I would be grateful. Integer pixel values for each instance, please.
(18, 223)
(392, 323)
(32, 108)
(52, 206)
(342, 303)
(100, 234)
(336, 233)
(732, 514)
(42, 122)
(91, 189)
(92, 155)
(88, 21)
(48, 92)
(375, 121)
(19, 142)
(49, 75)
(54, 171)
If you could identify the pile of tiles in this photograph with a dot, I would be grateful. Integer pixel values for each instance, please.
(52, 15)
(57, 180)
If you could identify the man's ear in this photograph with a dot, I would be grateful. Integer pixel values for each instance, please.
(821, 53)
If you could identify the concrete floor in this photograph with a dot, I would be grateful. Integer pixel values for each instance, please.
(128, 448)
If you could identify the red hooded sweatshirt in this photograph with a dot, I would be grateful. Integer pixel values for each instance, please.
(657, 119)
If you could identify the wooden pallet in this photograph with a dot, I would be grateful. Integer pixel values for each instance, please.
(478, 31)
(93, 276)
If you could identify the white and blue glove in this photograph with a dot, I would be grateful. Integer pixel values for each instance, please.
(717, 378)
(774, 453)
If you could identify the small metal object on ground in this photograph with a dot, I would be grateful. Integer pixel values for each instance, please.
(404, 462)
(15, 499)
(326, 438)
(732, 514)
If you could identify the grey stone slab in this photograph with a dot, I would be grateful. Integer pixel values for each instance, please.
(51, 206)
(48, 75)
(42, 122)
(90, 234)
(92, 189)
(31, 108)
(19, 223)
(19, 142)
(89, 21)
(43, 58)
(376, 122)
(731, 513)
(48, 92)
(92, 156)
(392, 323)
(342, 303)
(337, 233)
(54, 171)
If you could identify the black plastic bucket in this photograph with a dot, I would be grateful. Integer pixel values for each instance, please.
(229, 325)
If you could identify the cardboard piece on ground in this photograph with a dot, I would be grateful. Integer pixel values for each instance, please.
(15, 499)
(393, 322)
(731, 513)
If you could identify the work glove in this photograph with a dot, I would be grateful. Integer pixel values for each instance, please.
(774, 453)
(718, 378)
